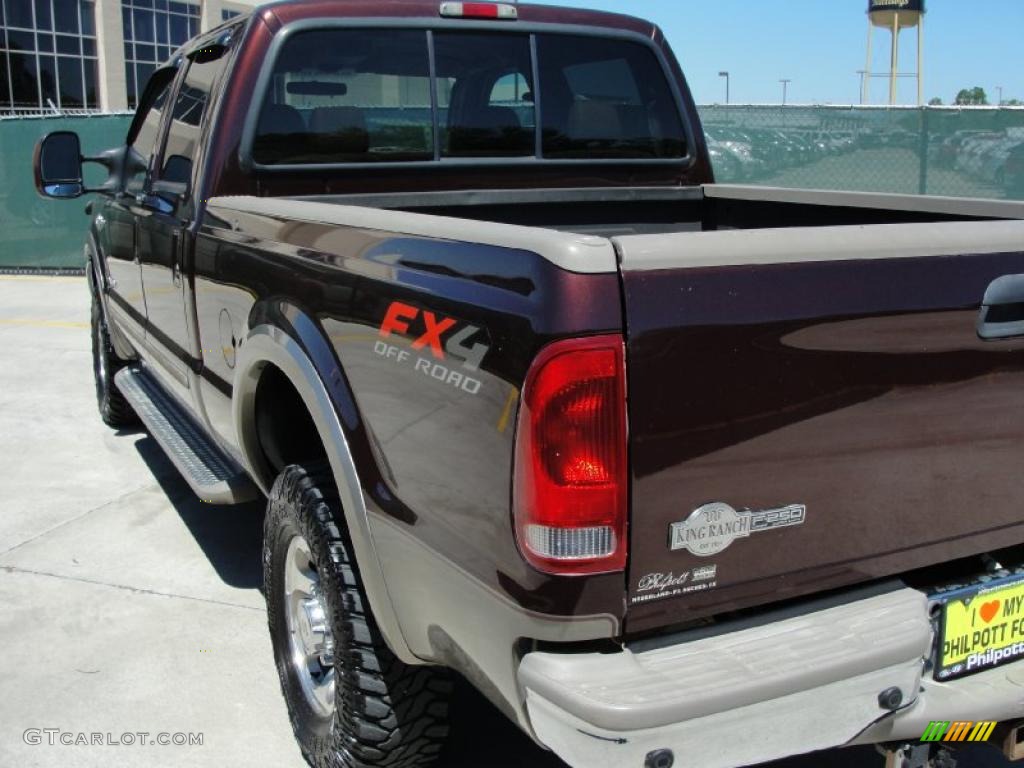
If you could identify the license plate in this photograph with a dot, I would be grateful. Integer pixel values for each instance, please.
(982, 627)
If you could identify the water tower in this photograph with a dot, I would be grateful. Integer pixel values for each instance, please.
(896, 15)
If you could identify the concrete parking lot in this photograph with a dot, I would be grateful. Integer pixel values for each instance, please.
(129, 606)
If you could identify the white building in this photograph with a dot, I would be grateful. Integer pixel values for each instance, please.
(94, 55)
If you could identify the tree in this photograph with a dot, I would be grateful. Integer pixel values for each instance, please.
(975, 97)
(1013, 103)
(936, 102)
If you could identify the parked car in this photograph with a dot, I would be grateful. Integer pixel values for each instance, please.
(973, 150)
(740, 150)
(945, 152)
(651, 462)
(725, 164)
(992, 162)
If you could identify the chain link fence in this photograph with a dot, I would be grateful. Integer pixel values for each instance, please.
(961, 152)
(950, 151)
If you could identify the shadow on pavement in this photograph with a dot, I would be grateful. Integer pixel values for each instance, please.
(482, 737)
(231, 537)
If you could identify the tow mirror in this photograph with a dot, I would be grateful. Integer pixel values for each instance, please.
(58, 166)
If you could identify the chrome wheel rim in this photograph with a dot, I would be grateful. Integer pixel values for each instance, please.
(310, 640)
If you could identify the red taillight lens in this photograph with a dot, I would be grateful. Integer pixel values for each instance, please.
(569, 493)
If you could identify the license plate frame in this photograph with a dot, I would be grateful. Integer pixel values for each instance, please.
(969, 639)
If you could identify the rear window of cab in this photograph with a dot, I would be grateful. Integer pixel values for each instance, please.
(341, 96)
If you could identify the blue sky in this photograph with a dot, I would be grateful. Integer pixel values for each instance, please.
(820, 45)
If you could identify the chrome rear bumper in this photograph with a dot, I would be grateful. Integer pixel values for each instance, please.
(805, 683)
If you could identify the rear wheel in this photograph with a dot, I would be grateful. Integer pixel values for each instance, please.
(114, 409)
(351, 702)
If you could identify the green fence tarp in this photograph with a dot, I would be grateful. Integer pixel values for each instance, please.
(36, 232)
(967, 152)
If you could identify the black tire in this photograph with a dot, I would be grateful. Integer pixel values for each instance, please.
(114, 409)
(385, 713)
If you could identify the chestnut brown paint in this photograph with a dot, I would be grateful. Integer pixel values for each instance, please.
(857, 388)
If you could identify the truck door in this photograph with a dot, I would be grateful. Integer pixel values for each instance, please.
(117, 231)
(164, 228)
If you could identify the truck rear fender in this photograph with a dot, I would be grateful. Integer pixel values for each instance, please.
(284, 337)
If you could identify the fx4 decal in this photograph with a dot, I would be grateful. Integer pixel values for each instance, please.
(400, 316)
(446, 339)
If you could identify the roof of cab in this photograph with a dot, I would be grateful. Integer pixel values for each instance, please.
(289, 11)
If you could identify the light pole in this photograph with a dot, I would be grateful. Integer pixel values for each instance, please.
(726, 76)
(785, 89)
(1000, 89)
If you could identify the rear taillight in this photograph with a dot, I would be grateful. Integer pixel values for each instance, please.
(500, 11)
(569, 493)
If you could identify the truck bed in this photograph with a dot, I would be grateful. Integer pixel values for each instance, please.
(611, 212)
(785, 350)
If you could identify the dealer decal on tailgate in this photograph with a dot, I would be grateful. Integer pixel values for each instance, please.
(981, 629)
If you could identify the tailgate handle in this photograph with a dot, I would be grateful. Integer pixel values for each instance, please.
(1002, 310)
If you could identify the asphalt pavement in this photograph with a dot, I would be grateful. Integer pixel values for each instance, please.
(131, 611)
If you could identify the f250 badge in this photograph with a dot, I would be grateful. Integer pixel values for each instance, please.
(712, 528)
(430, 334)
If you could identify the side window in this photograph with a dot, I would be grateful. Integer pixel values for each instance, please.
(145, 145)
(189, 108)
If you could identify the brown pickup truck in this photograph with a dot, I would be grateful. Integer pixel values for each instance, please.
(674, 473)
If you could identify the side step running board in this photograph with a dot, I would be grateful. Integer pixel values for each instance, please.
(213, 476)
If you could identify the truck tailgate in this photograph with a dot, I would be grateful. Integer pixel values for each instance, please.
(812, 408)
